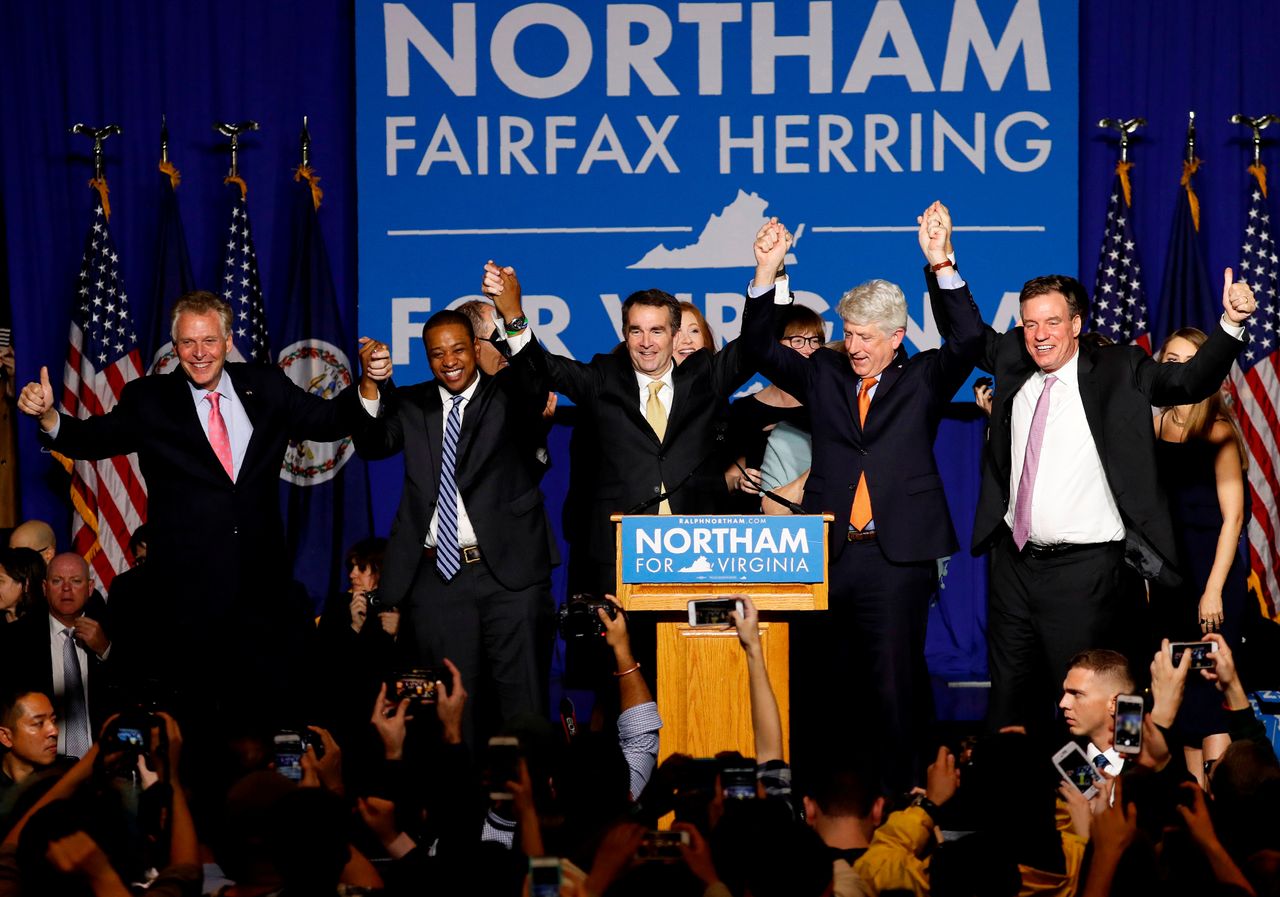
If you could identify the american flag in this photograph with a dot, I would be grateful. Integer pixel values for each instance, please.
(240, 284)
(110, 496)
(1119, 304)
(1255, 388)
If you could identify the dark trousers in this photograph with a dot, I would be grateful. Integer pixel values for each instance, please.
(1041, 612)
(491, 634)
(859, 679)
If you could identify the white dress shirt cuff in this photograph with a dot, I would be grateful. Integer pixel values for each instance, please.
(57, 425)
(781, 288)
(517, 341)
(950, 279)
(372, 406)
(1235, 330)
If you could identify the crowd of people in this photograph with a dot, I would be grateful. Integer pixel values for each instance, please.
(199, 730)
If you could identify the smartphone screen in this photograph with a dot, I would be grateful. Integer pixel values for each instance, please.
(544, 877)
(1076, 769)
(738, 781)
(502, 765)
(289, 755)
(1201, 654)
(662, 847)
(713, 611)
(1129, 712)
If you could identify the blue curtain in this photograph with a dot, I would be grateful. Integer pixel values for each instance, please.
(129, 62)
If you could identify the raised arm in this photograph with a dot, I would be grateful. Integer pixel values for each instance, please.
(1184, 384)
(766, 721)
(789, 370)
(953, 308)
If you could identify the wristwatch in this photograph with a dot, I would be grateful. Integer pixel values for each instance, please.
(517, 325)
(927, 805)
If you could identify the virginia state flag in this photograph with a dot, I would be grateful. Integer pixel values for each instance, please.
(325, 488)
(1186, 297)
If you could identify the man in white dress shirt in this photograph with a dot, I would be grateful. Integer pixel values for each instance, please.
(1096, 677)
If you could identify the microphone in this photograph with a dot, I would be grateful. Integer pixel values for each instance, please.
(658, 499)
(772, 496)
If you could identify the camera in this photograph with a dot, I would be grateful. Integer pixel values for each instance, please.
(578, 619)
(131, 734)
(1201, 654)
(290, 745)
(373, 602)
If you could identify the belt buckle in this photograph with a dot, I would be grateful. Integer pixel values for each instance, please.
(471, 555)
(865, 535)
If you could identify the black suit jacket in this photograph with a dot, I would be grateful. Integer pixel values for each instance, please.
(214, 540)
(1118, 386)
(895, 448)
(497, 473)
(631, 463)
(26, 661)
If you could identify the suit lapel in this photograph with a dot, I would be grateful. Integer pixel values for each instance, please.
(253, 409)
(629, 393)
(682, 386)
(1091, 398)
(433, 420)
(888, 379)
(472, 418)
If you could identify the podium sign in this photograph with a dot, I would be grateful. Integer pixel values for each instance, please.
(704, 695)
(665, 560)
(722, 549)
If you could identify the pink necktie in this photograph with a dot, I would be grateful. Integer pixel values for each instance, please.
(1030, 464)
(221, 441)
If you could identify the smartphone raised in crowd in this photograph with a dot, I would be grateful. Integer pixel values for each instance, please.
(545, 876)
(713, 611)
(1075, 767)
(1201, 653)
(738, 780)
(502, 765)
(1128, 735)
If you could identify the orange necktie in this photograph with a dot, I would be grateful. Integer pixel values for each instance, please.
(860, 515)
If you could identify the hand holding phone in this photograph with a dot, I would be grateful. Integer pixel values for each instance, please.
(502, 765)
(1128, 724)
(713, 611)
(1075, 768)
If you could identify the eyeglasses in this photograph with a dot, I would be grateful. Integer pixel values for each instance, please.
(799, 342)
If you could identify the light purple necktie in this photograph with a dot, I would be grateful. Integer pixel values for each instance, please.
(1030, 464)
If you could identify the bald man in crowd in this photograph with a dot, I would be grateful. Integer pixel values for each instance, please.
(36, 535)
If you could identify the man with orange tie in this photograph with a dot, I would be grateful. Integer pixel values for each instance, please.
(875, 415)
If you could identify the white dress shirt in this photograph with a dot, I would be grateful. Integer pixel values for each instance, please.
(466, 532)
(239, 429)
(1073, 503)
(56, 641)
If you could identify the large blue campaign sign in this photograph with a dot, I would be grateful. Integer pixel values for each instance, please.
(602, 148)
(685, 549)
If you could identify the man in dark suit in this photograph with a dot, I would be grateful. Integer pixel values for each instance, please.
(657, 424)
(63, 652)
(471, 552)
(210, 439)
(875, 415)
(1069, 489)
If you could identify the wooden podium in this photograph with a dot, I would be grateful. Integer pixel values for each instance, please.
(703, 693)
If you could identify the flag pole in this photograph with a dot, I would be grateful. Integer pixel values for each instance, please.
(304, 141)
(99, 181)
(1257, 125)
(233, 130)
(1127, 128)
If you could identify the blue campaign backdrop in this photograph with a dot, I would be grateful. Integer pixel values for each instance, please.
(77, 60)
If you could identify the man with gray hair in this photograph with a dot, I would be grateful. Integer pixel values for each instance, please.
(875, 416)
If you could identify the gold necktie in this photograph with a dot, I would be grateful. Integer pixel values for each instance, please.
(656, 415)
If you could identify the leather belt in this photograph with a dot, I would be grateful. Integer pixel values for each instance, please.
(469, 554)
(1040, 552)
(866, 535)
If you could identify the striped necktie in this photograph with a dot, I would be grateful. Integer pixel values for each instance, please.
(447, 550)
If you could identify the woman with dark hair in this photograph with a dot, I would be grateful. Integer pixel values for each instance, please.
(21, 572)
(752, 418)
(694, 333)
(1201, 460)
(356, 654)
